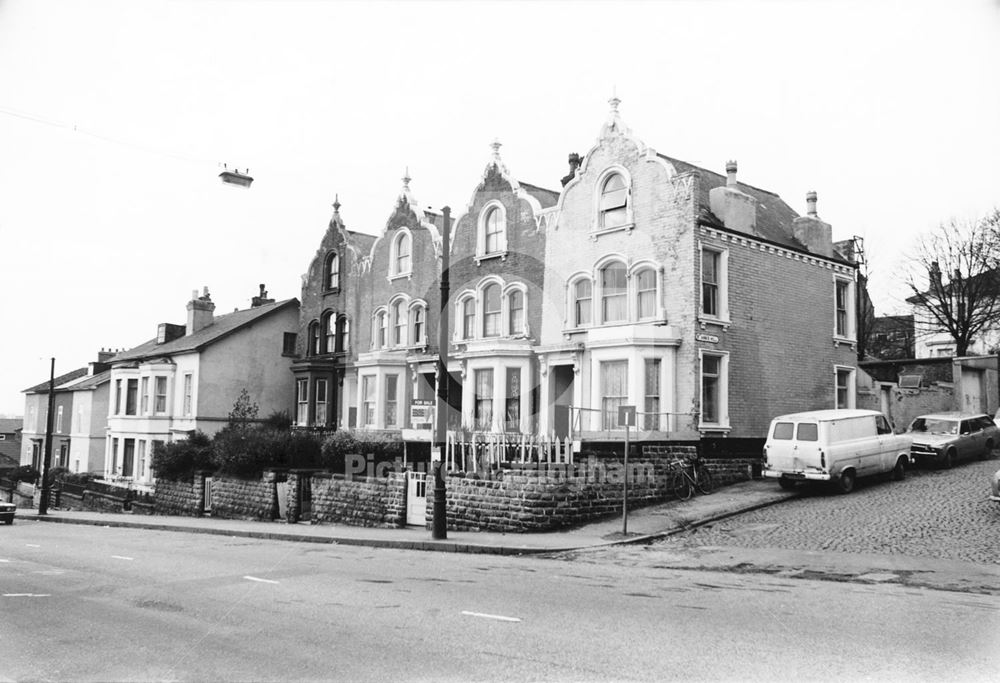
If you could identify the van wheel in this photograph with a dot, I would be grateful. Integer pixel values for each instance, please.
(899, 471)
(846, 482)
(787, 484)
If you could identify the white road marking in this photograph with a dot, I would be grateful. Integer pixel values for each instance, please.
(490, 616)
(27, 595)
(254, 578)
(32, 545)
(122, 557)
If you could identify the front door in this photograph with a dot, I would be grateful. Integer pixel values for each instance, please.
(562, 395)
(416, 498)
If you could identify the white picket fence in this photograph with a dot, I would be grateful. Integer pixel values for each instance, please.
(475, 451)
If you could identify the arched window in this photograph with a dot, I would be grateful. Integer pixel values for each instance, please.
(343, 334)
(417, 314)
(329, 333)
(398, 324)
(314, 338)
(645, 293)
(401, 254)
(494, 231)
(515, 312)
(491, 310)
(469, 318)
(333, 271)
(614, 301)
(614, 200)
(583, 298)
(379, 330)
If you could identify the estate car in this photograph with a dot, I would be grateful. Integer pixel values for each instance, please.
(943, 438)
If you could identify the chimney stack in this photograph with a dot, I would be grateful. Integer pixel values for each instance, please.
(730, 174)
(574, 163)
(811, 204)
(261, 299)
(200, 311)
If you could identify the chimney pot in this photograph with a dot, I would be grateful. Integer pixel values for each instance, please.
(731, 174)
(574, 163)
(811, 204)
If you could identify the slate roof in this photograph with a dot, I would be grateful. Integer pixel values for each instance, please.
(774, 216)
(9, 425)
(91, 382)
(222, 326)
(545, 197)
(43, 388)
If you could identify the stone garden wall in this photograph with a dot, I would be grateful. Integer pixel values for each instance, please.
(186, 498)
(368, 501)
(245, 498)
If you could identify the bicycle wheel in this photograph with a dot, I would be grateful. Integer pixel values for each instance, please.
(704, 478)
(681, 486)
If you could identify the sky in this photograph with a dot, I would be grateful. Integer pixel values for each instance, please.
(116, 118)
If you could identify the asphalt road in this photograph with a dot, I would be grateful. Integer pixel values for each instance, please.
(87, 603)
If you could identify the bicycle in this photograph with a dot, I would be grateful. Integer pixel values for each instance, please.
(685, 482)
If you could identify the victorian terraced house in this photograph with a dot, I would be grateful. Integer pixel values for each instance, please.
(707, 303)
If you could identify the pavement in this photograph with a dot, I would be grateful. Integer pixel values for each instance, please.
(644, 526)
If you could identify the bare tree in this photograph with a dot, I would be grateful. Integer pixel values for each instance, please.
(961, 293)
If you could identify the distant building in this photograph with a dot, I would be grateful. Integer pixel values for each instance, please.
(188, 377)
(79, 423)
(10, 442)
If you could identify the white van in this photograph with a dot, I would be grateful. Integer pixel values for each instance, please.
(834, 445)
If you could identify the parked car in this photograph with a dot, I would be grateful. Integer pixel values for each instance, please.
(944, 438)
(7, 512)
(995, 487)
(836, 446)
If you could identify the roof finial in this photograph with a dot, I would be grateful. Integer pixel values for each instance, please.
(496, 144)
(407, 179)
(614, 101)
(336, 203)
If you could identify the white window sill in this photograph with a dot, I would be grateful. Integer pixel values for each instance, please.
(597, 232)
(845, 341)
(723, 322)
(400, 276)
(705, 427)
(502, 255)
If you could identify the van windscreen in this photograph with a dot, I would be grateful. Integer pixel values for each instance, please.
(784, 431)
(808, 431)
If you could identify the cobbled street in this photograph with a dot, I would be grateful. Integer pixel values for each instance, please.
(943, 514)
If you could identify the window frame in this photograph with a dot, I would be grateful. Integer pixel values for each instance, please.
(515, 329)
(492, 208)
(395, 266)
(483, 420)
(328, 332)
(601, 212)
(722, 384)
(322, 394)
(331, 271)
(850, 388)
(160, 399)
(188, 406)
(399, 323)
(575, 299)
(302, 402)
(342, 341)
(391, 401)
(604, 297)
(721, 285)
(653, 293)
(609, 403)
(849, 331)
(417, 314)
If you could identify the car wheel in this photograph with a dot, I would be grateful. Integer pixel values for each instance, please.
(787, 484)
(949, 459)
(899, 471)
(987, 452)
(845, 484)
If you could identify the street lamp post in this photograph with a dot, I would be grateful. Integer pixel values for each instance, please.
(43, 502)
(439, 523)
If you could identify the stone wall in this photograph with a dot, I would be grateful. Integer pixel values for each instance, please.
(369, 501)
(245, 498)
(526, 498)
(184, 498)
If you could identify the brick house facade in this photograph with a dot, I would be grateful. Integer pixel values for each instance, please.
(707, 303)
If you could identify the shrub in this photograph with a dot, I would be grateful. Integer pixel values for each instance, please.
(179, 460)
(248, 452)
(280, 420)
(376, 447)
